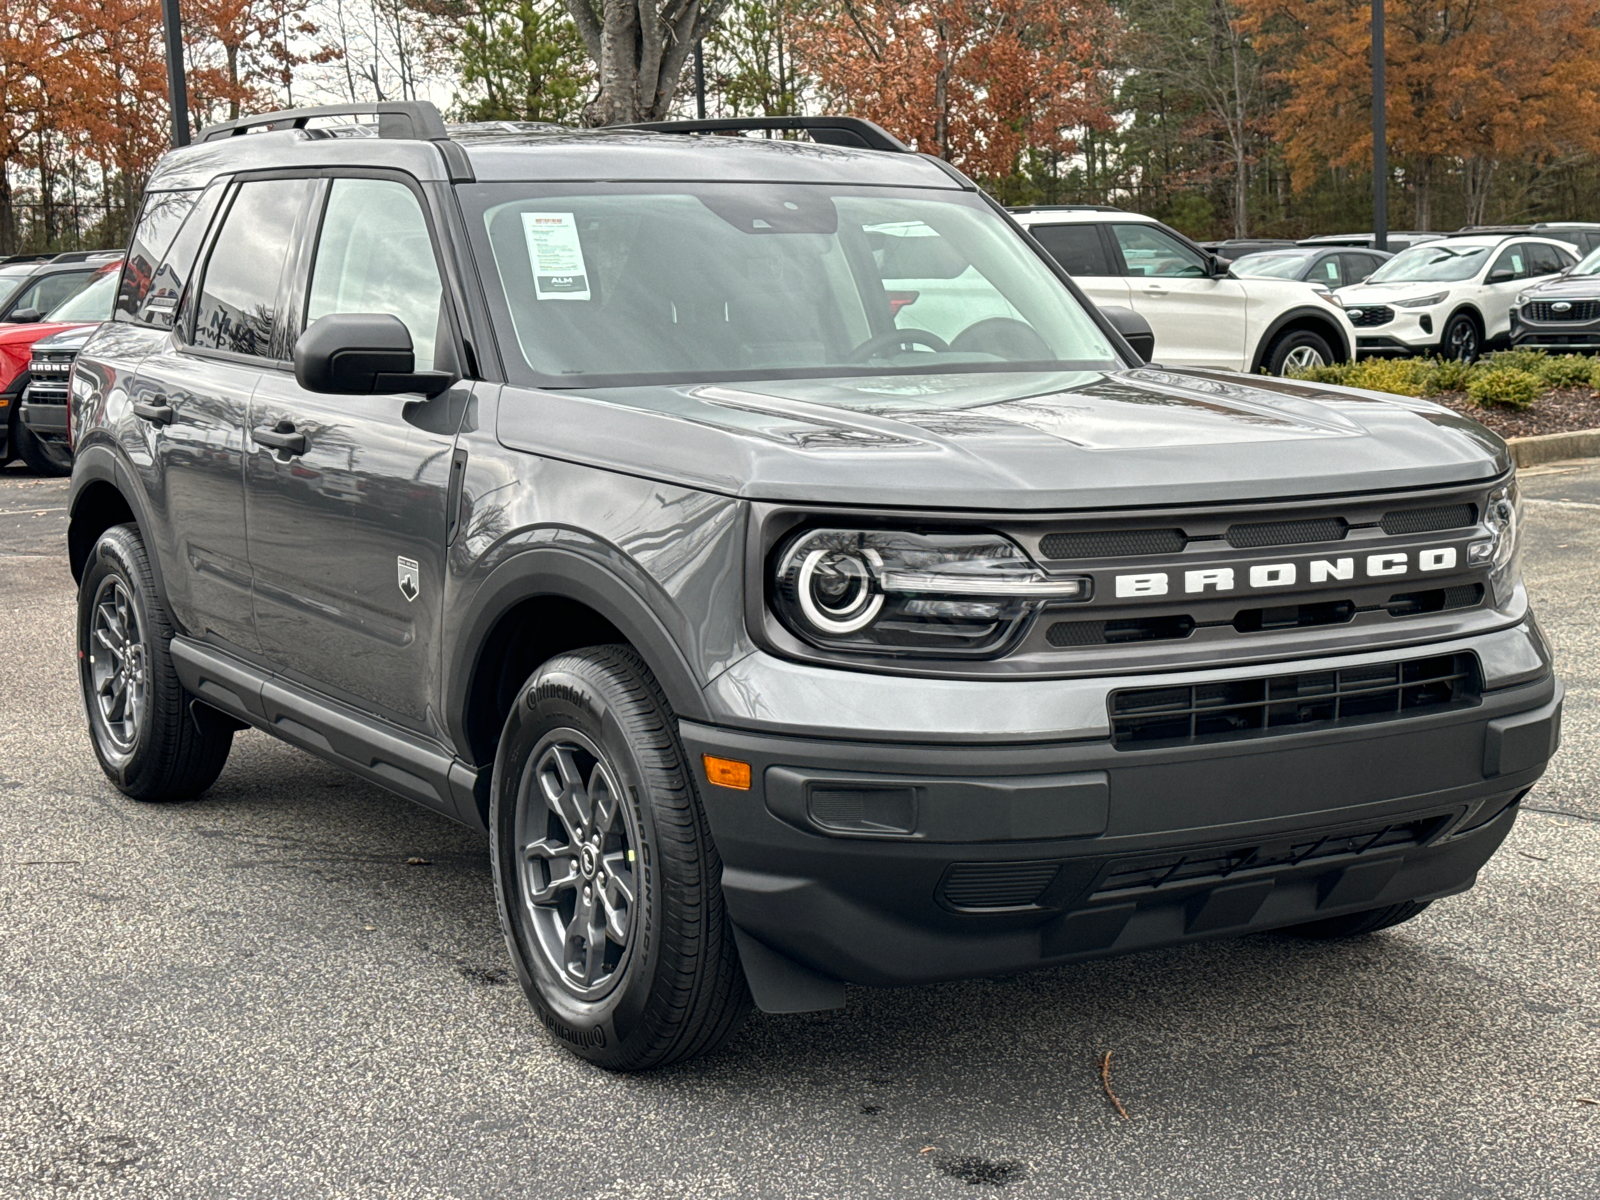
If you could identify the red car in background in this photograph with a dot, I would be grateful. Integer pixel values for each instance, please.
(42, 446)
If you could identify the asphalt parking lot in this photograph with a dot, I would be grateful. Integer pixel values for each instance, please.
(254, 994)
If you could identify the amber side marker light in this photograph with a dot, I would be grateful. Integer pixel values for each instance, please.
(727, 772)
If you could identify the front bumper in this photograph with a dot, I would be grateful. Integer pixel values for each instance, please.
(44, 409)
(890, 863)
(1579, 337)
(1408, 331)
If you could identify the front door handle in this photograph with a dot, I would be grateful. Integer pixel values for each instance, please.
(1154, 289)
(282, 437)
(158, 414)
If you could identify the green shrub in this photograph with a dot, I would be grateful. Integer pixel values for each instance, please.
(1566, 370)
(1594, 375)
(1399, 376)
(1531, 361)
(1504, 385)
(1451, 375)
(1333, 373)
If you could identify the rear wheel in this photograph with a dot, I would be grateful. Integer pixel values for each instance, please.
(1298, 350)
(1356, 924)
(47, 455)
(149, 742)
(606, 877)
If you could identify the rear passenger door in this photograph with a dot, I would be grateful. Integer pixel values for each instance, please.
(1083, 252)
(190, 399)
(346, 495)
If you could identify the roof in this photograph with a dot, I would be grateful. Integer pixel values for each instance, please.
(411, 137)
(1077, 216)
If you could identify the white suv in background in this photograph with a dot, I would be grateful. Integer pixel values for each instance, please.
(1202, 316)
(1451, 297)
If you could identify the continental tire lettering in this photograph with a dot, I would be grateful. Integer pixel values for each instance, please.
(1142, 585)
(1218, 578)
(595, 1037)
(1340, 568)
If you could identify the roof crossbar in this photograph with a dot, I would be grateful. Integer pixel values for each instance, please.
(416, 120)
(857, 132)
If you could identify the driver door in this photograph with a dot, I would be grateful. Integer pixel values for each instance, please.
(1199, 320)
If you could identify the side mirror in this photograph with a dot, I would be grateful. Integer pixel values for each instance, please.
(1217, 266)
(1135, 330)
(25, 316)
(1501, 275)
(362, 354)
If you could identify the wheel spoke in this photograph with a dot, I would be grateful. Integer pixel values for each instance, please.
(110, 640)
(594, 952)
(580, 931)
(619, 876)
(564, 792)
(616, 917)
(602, 799)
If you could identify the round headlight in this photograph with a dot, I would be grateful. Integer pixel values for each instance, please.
(834, 589)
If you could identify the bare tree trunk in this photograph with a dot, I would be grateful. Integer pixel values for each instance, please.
(941, 94)
(640, 47)
(1479, 171)
(1422, 194)
(1240, 132)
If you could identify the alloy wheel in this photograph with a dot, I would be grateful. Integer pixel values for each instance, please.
(1302, 358)
(576, 854)
(1463, 341)
(118, 671)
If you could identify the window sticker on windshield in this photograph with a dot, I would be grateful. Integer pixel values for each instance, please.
(556, 256)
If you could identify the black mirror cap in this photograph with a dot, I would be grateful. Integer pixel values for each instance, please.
(26, 316)
(362, 354)
(1503, 275)
(1135, 330)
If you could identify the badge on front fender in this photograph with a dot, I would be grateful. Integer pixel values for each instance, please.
(408, 577)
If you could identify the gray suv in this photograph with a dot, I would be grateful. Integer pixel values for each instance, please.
(780, 561)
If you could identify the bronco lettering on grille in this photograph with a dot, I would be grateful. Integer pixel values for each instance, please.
(1276, 575)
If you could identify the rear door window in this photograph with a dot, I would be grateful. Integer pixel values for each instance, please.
(1080, 249)
(158, 224)
(238, 307)
(1544, 260)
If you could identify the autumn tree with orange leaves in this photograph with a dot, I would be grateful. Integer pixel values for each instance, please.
(1471, 84)
(975, 83)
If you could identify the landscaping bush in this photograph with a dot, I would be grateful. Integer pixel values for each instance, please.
(1451, 375)
(1399, 376)
(1491, 385)
(1567, 370)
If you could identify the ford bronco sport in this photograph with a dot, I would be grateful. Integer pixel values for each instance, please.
(774, 553)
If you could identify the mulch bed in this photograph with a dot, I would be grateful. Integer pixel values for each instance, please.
(1560, 411)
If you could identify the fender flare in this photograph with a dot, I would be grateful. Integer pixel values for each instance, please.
(1264, 343)
(559, 572)
(99, 463)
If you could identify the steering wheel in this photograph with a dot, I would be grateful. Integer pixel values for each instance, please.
(1003, 337)
(876, 344)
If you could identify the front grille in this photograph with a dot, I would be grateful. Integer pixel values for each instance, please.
(1368, 315)
(1113, 543)
(1114, 633)
(1577, 310)
(1287, 533)
(1155, 872)
(1408, 604)
(991, 886)
(1211, 712)
(1428, 520)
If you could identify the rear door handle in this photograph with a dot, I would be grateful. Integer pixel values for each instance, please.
(281, 438)
(158, 414)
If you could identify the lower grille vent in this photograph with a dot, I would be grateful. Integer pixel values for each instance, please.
(990, 886)
(1115, 633)
(1158, 871)
(1211, 712)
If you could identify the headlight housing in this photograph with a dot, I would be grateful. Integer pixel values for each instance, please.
(1500, 550)
(895, 592)
(1422, 301)
(1523, 298)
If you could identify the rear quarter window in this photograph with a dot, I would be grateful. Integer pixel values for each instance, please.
(159, 222)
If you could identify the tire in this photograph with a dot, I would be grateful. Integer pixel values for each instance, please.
(149, 742)
(1462, 339)
(1297, 350)
(50, 458)
(1356, 924)
(591, 777)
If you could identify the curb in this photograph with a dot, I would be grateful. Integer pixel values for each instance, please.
(1552, 447)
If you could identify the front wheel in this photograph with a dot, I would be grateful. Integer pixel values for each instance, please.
(606, 877)
(150, 743)
(1298, 350)
(1461, 340)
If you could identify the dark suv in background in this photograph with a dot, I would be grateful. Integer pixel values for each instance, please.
(773, 552)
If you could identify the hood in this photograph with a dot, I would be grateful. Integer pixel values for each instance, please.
(1577, 287)
(1357, 294)
(1012, 441)
(71, 338)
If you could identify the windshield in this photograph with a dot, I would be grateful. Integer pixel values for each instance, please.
(1590, 264)
(1270, 266)
(1432, 263)
(93, 303)
(616, 284)
(12, 278)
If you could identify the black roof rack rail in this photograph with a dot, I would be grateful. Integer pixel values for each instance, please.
(413, 119)
(25, 258)
(857, 132)
(1032, 208)
(75, 256)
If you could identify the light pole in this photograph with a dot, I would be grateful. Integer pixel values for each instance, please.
(1380, 136)
(177, 86)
